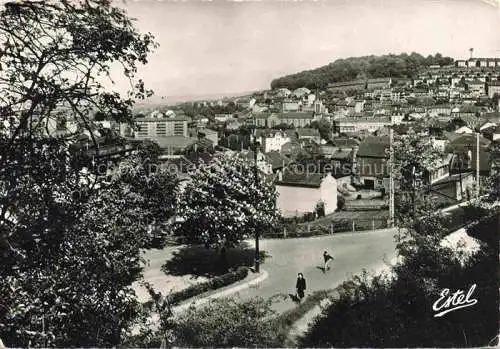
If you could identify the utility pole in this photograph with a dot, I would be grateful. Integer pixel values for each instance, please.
(256, 180)
(477, 164)
(391, 175)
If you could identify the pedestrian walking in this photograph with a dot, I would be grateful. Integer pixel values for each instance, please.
(327, 258)
(300, 286)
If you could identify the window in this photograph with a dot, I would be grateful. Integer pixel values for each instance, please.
(161, 129)
(178, 129)
(142, 130)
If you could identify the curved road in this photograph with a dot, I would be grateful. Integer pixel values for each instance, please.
(353, 252)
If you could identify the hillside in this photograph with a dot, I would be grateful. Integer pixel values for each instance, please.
(395, 66)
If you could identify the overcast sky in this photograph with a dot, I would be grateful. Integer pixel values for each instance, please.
(219, 46)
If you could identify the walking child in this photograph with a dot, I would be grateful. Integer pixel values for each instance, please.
(327, 258)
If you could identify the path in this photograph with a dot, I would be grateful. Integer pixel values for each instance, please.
(352, 252)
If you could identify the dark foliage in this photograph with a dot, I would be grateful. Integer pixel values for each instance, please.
(397, 311)
(217, 282)
(391, 65)
(200, 261)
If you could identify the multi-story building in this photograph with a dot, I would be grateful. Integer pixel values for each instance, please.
(273, 141)
(161, 127)
(345, 125)
(296, 119)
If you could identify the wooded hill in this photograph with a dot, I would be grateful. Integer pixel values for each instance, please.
(395, 66)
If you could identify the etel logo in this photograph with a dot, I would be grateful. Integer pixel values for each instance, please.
(450, 302)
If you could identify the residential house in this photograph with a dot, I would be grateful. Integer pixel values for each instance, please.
(201, 120)
(493, 88)
(263, 163)
(301, 92)
(464, 129)
(309, 133)
(477, 87)
(273, 140)
(300, 192)
(278, 161)
(209, 134)
(438, 170)
(223, 117)
(282, 92)
(351, 124)
(492, 133)
(371, 161)
(465, 145)
(293, 149)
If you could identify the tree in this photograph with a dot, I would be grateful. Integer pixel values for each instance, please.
(397, 308)
(226, 322)
(221, 204)
(70, 235)
(324, 127)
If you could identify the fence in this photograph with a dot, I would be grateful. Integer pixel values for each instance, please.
(297, 230)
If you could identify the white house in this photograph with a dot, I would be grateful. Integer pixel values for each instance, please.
(464, 129)
(300, 192)
(274, 141)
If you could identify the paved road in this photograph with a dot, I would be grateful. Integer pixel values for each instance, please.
(353, 252)
(287, 257)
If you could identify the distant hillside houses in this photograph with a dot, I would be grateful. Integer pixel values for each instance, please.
(479, 62)
(360, 85)
(295, 119)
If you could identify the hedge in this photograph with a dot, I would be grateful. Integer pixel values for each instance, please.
(217, 282)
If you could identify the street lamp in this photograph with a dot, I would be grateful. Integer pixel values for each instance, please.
(256, 180)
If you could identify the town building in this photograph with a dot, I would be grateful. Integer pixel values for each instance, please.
(161, 126)
(273, 140)
(300, 192)
(371, 162)
(493, 88)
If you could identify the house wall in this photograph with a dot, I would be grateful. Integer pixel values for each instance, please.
(293, 199)
(299, 200)
(275, 143)
(329, 193)
(492, 90)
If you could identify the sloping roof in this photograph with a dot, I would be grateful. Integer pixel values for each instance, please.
(341, 154)
(300, 179)
(308, 132)
(296, 115)
(464, 140)
(374, 147)
(277, 160)
(345, 142)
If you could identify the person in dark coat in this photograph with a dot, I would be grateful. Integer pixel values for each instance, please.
(327, 258)
(300, 286)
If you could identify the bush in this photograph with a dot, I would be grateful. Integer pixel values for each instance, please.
(217, 282)
(340, 202)
(228, 323)
(396, 311)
